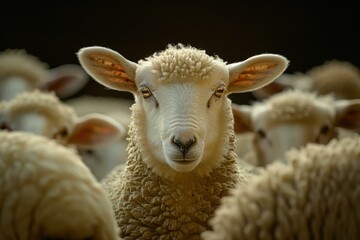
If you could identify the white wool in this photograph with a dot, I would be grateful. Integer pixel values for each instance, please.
(47, 192)
(58, 118)
(17, 62)
(187, 63)
(181, 158)
(315, 196)
(46, 103)
(293, 105)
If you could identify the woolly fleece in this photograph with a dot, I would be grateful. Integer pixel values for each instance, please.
(149, 206)
(315, 196)
(46, 103)
(47, 192)
(14, 62)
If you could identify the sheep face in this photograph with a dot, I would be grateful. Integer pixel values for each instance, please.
(293, 119)
(182, 113)
(12, 86)
(184, 116)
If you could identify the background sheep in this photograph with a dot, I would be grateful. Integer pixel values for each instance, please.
(46, 192)
(339, 78)
(99, 139)
(117, 108)
(315, 196)
(20, 71)
(181, 145)
(292, 119)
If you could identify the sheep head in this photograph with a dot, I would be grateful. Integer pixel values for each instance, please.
(292, 119)
(182, 109)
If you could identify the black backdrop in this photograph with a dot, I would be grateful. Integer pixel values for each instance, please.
(305, 33)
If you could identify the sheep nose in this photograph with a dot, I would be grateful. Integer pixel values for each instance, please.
(182, 144)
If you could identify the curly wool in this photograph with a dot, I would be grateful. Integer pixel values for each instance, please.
(175, 206)
(316, 196)
(46, 103)
(293, 105)
(47, 192)
(337, 77)
(19, 62)
(187, 63)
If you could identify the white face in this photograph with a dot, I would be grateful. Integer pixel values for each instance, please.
(31, 122)
(274, 138)
(12, 86)
(184, 118)
(102, 159)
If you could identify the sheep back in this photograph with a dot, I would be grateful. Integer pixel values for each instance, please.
(316, 196)
(47, 192)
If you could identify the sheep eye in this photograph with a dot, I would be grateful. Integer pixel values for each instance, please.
(4, 126)
(145, 91)
(325, 130)
(219, 91)
(261, 133)
(61, 133)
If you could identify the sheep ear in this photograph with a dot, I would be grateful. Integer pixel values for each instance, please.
(280, 84)
(94, 130)
(242, 118)
(66, 80)
(348, 114)
(255, 72)
(108, 68)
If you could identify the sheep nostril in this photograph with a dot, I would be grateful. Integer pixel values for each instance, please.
(183, 145)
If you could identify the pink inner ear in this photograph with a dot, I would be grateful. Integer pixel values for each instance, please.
(57, 84)
(351, 119)
(91, 133)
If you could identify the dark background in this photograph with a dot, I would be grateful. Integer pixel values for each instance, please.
(306, 33)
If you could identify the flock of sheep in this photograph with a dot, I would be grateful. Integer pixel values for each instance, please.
(180, 161)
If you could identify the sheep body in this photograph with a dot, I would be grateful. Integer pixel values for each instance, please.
(174, 207)
(315, 196)
(181, 157)
(47, 192)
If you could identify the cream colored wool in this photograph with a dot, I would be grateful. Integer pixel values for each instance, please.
(181, 158)
(336, 77)
(178, 206)
(46, 103)
(294, 105)
(315, 196)
(47, 193)
(60, 122)
(291, 119)
(19, 62)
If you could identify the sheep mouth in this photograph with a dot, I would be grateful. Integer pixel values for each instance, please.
(184, 162)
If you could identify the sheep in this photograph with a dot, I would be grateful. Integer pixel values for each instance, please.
(21, 71)
(315, 196)
(181, 157)
(117, 108)
(292, 119)
(98, 138)
(46, 192)
(339, 78)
